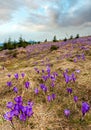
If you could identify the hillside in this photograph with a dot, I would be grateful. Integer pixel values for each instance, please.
(53, 78)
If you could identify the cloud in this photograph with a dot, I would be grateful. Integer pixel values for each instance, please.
(7, 8)
(44, 12)
(45, 15)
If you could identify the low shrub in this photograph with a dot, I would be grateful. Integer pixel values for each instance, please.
(54, 47)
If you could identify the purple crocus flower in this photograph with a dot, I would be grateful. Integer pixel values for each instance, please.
(18, 109)
(83, 56)
(43, 71)
(10, 105)
(67, 78)
(52, 84)
(8, 116)
(73, 77)
(48, 69)
(15, 89)
(18, 99)
(75, 60)
(27, 84)
(69, 90)
(75, 98)
(49, 98)
(18, 106)
(22, 74)
(29, 112)
(55, 74)
(24, 109)
(70, 78)
(78, 57)
(22, 117)
(15, 112)
(9, 75)
(36, 91)
(53, 96)
(43, 87)
(85, 108)
(52, 77)
(30, 104)
(45, 78)
(64, 73)
(26, 112)
(16, 76)
(67, 112)
(36, 69)
(77, 71)
(9, 84)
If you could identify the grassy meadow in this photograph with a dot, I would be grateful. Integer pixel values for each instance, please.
(50, 73)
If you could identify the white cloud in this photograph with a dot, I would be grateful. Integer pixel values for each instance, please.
(44, 16)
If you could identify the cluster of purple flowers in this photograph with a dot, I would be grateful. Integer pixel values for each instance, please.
(19, 110)
(16, 75)
(69, 90)
(49, 75)
(69, 78)
(23, 112)
(51, 97)
(44, 77)
(85, 106)
(84, 109)
(82, 56)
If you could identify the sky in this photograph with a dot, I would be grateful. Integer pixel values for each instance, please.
(41, 19)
